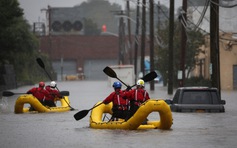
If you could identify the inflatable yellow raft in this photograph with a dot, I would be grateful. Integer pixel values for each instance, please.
(30, 99)
(135, 122)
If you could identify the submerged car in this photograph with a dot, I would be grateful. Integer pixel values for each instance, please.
(197, 99)
(158, 79)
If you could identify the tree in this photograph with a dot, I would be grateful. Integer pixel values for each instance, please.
(10, 13)
(19, 46)
(101, 12)
(91, 28)
(194, 40)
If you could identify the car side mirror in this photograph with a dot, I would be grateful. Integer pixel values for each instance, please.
(223, 102)
(169, 101)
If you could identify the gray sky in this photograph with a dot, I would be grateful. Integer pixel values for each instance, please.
(33, 14)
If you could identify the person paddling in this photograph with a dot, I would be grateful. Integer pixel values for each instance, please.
(53, 93)
(120, 105)
(39, 92)
(136, 97)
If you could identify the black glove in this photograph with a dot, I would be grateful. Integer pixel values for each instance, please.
(105, 102)
(128, 88)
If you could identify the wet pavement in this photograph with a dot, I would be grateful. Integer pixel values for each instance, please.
(51, 130)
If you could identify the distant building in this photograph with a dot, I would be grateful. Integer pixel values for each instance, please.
(200, 15)
(65, 20)
(75, 54)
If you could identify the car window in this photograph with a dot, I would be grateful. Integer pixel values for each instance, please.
(196, 97)
(176, 96)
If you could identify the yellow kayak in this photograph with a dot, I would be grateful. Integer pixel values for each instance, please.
(30, 99)
(135, 122)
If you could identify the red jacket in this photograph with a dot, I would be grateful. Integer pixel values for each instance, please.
(53, 93)
(139, 95)
(39, 92)
(117, 98)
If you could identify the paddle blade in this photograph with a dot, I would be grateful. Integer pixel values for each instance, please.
(64, 93)
(40, 62)
(150, 76)
(110, 72)
(7, 93)
(81, 114)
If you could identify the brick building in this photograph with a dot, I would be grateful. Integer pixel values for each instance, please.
(73, 54)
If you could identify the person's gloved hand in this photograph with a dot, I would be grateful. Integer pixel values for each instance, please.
(128, 88)
(105, 102)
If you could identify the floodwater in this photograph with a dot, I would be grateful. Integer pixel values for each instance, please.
(60, 130)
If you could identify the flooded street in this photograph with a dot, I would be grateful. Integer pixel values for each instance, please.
(60, 130)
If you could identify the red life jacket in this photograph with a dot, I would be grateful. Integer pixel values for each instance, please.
(139, 96)
(39, 93)
(117, 99)
(121, 103)
(52, 93)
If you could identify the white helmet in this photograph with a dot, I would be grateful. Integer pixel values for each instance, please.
(53, 84)
(140, 82)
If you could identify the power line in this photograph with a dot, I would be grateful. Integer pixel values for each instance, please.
(224, 6)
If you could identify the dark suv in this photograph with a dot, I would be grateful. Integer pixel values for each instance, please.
(197, 99)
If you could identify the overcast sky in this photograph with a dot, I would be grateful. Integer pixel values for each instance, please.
(33, 14)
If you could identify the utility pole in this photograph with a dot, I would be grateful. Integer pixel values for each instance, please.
(143, 46)
(171, 33)
(158, 11)
(136, 38)
(152, 84)
(49, 15)
(183, 46)
(121, 40)
(129, 33)
(214, 44)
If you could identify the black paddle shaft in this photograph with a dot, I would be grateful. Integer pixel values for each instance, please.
(41, 64)
(148, 77)
(9, 93)
(81, 114)
(110, 72)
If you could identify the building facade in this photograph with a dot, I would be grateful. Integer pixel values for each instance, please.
(199, 13)
(228, 61)
(75, 54)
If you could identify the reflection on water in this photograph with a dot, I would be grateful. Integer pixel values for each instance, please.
(60, 130)
(4, 106)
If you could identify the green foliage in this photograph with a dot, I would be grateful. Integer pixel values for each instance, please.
(9, 12)
(18, 45)
(197, 81)
(91, 27)
(194, 40)
(27, 69)
(100, 13)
